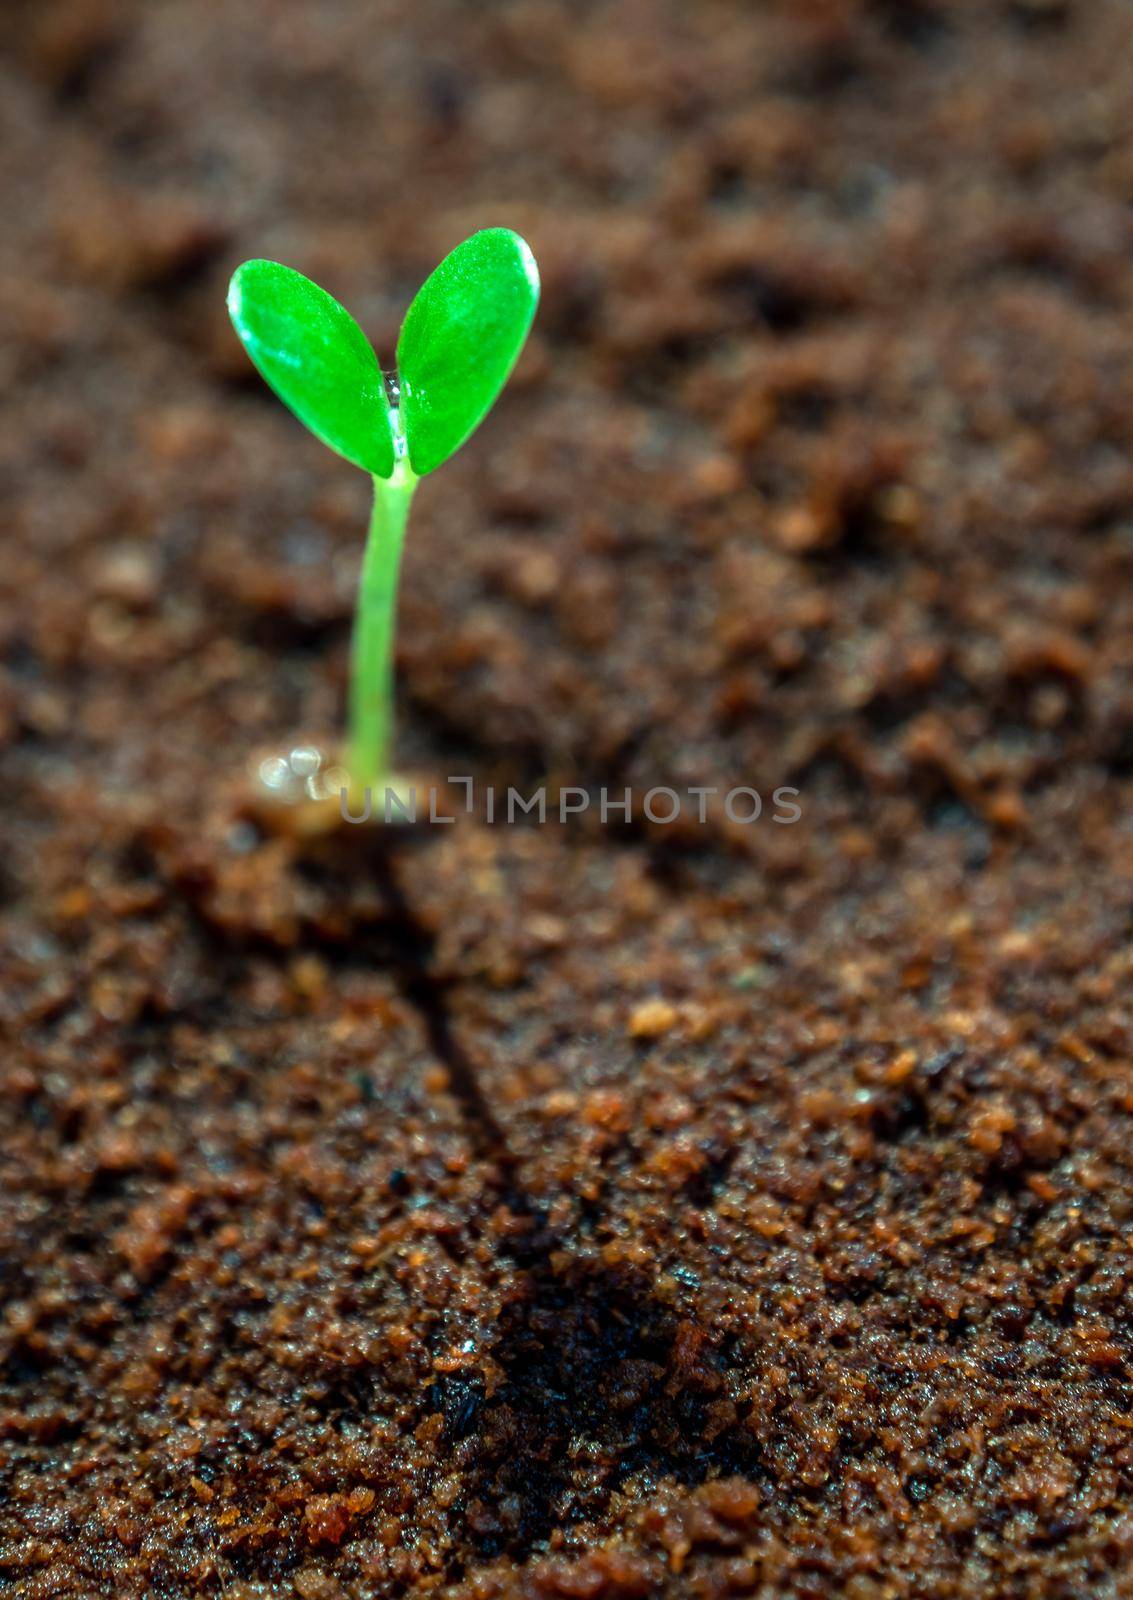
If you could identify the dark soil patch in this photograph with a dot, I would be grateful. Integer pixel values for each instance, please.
(600, 1386)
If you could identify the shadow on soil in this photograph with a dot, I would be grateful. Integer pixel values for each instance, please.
(596, 1380)
(602, 1383)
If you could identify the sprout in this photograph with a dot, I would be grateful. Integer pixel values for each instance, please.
(459, 342)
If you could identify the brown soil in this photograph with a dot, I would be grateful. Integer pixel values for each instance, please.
(575, 1211)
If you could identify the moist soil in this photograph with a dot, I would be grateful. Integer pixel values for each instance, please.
(574, 1210)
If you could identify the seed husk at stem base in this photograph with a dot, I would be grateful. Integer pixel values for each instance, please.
(371, 713)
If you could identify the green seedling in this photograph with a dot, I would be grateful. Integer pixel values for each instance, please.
(458, 344)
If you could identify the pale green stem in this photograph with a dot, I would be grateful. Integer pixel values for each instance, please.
(371, 668)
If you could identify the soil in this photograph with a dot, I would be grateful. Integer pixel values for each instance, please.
(574, 1211)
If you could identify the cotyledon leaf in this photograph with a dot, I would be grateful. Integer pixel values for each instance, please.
(460, 340)
(317, 359)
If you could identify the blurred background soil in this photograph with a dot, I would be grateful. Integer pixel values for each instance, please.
(574, 1211)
